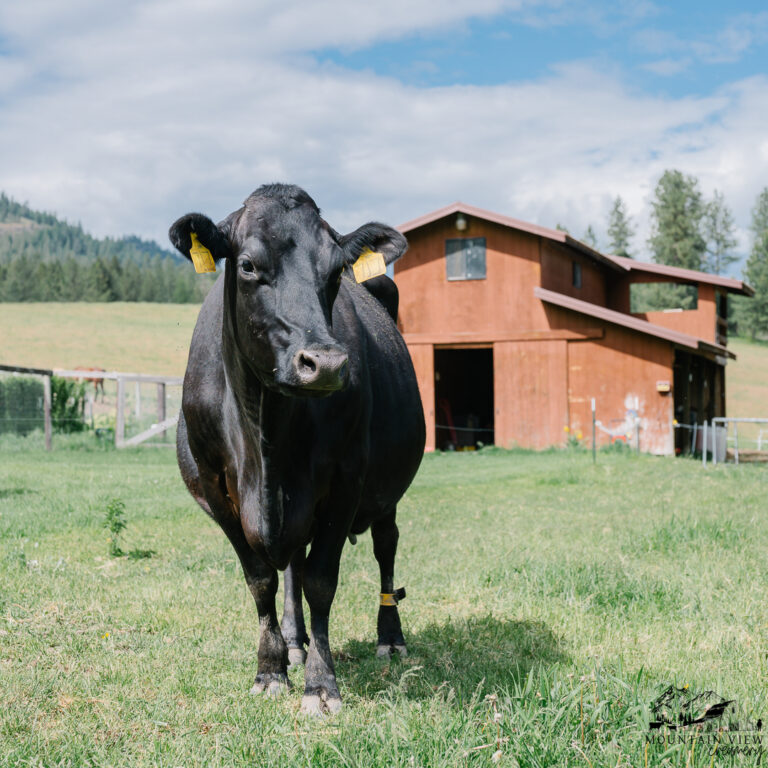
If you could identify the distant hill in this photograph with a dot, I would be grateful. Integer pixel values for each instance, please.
(26, 231)
(43, 258)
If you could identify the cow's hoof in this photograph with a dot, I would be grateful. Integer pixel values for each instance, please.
(272, 684)
(316, 706)
(312, 705)
(296, 657)
(384, 651)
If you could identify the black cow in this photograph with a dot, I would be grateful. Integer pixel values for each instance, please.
(301, 420)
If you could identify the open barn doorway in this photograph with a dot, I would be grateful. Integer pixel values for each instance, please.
(463, 398)
(699, 392)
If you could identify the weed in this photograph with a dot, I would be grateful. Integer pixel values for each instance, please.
(114, 522)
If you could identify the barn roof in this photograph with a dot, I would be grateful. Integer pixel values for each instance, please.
(628, 321)
(506, 221)
(616, 263)
(686, 275)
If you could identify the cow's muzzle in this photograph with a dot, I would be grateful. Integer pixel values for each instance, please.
(321, 369)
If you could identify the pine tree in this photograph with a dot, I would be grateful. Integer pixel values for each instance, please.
(21, 284)
(620, 229)
(760, 213)
(130, 282)
(755, 310)
(718, 232)
(72, 288)
(678, 209)
(98, 282)
(589, 237)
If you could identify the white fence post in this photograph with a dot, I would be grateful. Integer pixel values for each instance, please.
(47, 412)
(120, 420)
(160, 402)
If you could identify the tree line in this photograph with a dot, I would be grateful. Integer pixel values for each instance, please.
(692, 232)
(27, 278)
(45, 259)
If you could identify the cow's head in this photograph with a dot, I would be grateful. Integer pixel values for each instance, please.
(283, 270)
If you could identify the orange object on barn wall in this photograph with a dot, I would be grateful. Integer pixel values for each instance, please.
(513, 328)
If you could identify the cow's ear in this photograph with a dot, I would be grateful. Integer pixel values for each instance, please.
(205, 232)
(374, 237)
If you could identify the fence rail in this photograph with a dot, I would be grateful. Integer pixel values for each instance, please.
(163, 423)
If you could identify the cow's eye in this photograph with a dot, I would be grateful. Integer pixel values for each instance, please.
(246, 267)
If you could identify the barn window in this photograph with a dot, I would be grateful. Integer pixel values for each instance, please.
(662, 297)
(576, 275)
(465, 258)
(721, 300)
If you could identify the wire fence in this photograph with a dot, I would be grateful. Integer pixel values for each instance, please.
(727, 439)
(125, 408)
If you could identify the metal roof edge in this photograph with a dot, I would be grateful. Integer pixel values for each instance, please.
(730, 283)
(620, 318)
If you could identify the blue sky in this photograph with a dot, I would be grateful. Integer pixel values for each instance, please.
(675, 49)
(124, 116)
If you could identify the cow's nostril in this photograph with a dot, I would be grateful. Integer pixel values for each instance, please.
(324, 369)
(305, 361)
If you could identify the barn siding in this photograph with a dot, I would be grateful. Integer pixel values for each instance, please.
(557, 274)
(620, 370)
(429, 303)
(423, 357)
(530, 393)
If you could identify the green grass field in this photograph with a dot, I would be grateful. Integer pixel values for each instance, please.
(746, 388)
(549, 602)
(121, 336)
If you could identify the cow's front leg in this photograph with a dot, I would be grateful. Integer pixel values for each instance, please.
(321, 575)
(294, 629)
(272, 675)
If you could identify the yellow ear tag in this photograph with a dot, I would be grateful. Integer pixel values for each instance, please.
(369, 264)
(202, 258)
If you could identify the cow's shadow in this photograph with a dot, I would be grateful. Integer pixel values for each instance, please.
(469, 656)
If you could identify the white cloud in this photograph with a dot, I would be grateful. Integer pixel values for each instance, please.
(668, 67)
(125, 121)
(728, 44)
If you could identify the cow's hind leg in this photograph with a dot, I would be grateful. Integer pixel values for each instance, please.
(294, 629)
(385, 535)
(272, 675)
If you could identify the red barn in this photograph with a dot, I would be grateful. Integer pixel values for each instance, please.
(513, 329)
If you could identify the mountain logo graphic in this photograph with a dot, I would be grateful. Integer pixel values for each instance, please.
(680, 708)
